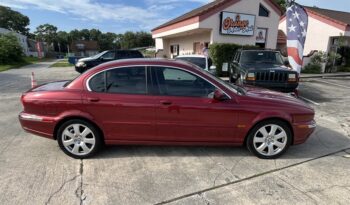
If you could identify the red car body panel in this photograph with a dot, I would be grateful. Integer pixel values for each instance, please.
(149, 120)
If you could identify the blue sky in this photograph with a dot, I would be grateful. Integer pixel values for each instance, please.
(120, 15)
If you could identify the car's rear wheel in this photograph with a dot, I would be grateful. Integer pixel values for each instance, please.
(269, 139)
(79, 139)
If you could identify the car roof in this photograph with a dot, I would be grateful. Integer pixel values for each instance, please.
(192, 56)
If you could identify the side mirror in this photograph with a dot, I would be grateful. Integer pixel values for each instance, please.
(286, 63)
(219, 95)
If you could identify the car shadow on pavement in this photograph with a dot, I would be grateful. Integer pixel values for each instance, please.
(322, 142)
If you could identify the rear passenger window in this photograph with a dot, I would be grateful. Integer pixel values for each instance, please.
(97, 83)
(129, 80)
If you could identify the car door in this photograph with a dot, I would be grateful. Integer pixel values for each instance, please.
(119, 100)
(186, 110)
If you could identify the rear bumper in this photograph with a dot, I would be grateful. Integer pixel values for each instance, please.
(302, 131)
(281, 87)
(38, 125)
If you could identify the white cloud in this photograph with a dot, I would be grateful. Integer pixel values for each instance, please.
(145, 17)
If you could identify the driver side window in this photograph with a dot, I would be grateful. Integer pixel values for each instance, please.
(176, 82)
(108, 56)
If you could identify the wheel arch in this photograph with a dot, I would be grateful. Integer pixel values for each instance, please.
(67, 118)
(267, 119)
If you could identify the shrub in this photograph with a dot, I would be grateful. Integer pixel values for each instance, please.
(312, 68)
(223, 53)
(343, 69)
(10, 49)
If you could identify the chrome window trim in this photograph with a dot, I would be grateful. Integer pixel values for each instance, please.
(149, 65)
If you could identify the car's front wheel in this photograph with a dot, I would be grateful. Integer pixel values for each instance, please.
(79, 139)
(269, 139)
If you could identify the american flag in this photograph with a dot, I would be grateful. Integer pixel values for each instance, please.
(297, 22)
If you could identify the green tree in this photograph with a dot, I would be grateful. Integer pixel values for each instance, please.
(106, 41)
(282, 3)
(46, 33)
(13, 20)
(10, 49)
(95, 34)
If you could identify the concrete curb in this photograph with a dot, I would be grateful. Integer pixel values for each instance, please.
(325, 75)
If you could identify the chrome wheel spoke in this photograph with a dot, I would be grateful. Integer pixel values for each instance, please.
(262, 147)
(279, 144)
(89, 141)
(263, 131)
(280, 135)
(273, 130)
(85, 148)
(259, 139)
(69, 142)
(76, 129)
(86, 132)
(69, 134)
(75, 149)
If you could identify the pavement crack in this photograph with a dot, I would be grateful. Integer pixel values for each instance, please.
(60, 189)
(205, 199)
(246, 179)
(79, 192)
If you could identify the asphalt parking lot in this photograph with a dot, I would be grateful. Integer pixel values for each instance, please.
(33, 170)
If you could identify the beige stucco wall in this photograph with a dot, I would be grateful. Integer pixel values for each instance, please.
(318, 35)
(213, 25)
(246, 7)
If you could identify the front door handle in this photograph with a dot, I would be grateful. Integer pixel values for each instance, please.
(93, 99)
(166, 102)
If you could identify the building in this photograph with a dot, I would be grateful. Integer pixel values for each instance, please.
(245, 22)
(324, 30)
(22, 39)
(84, 48)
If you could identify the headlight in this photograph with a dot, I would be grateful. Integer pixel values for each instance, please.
(292, 77)
(80, 64)
(251, 76)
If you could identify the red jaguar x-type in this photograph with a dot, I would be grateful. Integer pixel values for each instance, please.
(163, 102)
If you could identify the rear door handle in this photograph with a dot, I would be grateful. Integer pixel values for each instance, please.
(166, 102)
(93, 99)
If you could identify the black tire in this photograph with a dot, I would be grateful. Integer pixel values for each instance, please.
(265, 124)
(95, 134)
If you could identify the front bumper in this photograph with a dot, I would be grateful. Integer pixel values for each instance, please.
(39, 125)
(281, 87)
(302, 131)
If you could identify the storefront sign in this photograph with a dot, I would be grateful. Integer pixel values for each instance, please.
(261, 35)
(237, 24)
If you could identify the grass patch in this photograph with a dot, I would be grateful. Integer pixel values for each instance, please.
(62, 63)
(24, 62)
(343, 69)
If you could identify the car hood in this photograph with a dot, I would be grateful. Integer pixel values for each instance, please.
(261, 94)
(86, 59)
(262, 66)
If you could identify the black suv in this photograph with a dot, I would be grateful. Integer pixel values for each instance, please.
(263, 68)
(85, 64)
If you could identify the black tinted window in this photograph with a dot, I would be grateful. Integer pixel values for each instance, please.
(130, 80)
(263, 11)
(200, 62)
(97, 83)
(176, 82)
(128, 54)
(108, 56)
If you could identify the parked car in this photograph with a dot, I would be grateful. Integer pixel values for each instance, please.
(263, 68)
(85, 64)
(201, 61)
(163, 102)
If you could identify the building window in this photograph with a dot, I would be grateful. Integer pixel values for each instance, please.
(263, 11)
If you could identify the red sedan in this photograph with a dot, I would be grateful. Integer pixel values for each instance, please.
(163, 102)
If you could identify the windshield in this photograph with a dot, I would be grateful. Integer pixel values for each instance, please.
(200, 62)
(268, 57)
(99, 54)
